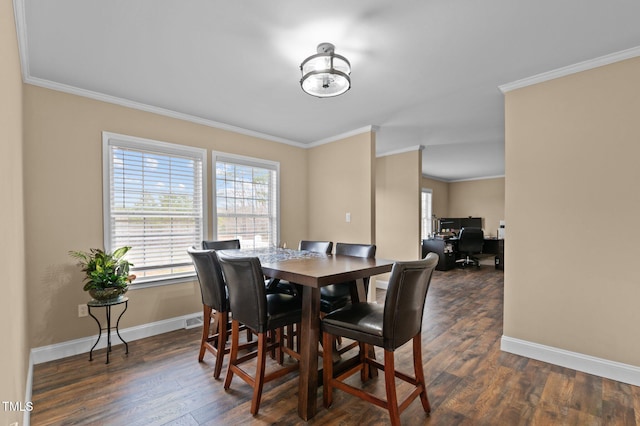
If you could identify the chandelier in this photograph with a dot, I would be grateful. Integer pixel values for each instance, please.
(325, 74)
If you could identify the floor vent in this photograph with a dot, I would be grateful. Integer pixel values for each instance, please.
(193, 322)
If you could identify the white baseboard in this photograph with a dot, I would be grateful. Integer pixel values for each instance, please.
(84, 344)
(588, 364)
(382, 284)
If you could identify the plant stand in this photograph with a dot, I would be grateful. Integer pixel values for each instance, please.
(107, 304)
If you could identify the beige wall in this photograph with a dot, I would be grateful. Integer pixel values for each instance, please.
(572, 149)
(398, 179)
(479, 198)
(14, 355)
(440, 197)
(341, 180)
(63, 200)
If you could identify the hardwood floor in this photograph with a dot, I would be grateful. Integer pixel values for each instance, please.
(470, 381)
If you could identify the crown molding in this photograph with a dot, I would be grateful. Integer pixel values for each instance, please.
(370, 128)
(401, 151)
(571, 69)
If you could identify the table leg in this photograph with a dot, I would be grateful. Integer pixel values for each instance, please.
(309, 337)
(99, 333)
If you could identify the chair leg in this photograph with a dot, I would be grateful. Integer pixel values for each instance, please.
(206, 326)
(327, 369)
(222, 318)
(417, 366)
(390, 385)
(233, 357)
(260, 368)
(279, 339)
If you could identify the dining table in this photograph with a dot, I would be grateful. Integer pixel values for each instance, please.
(313, 270)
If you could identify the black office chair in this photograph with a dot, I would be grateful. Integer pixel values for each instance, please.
(470, 241)
(221, 245)
(387, 326)
(264, 313)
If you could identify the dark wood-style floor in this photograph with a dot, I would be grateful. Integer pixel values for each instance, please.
(470, 381)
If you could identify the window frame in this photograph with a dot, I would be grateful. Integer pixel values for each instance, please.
(428, 220)
(110, 139)
(246, 161)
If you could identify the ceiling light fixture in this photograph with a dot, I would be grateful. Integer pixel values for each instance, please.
(325, 74)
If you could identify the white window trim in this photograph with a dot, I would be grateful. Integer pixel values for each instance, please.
(247, 161)
(150, 144)
(429, 191)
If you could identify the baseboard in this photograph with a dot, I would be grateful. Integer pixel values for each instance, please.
(382, 284)
(83, 345)
(588, 364)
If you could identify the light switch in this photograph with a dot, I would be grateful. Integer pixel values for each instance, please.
(348, 217)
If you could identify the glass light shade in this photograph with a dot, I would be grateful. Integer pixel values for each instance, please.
(325, 74)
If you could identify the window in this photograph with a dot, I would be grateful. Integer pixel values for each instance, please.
(246, 200)
(427, 213)
(155, 202)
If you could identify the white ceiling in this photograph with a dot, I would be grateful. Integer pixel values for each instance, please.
(425, 72)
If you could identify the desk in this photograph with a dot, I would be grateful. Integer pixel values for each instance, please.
(447, 250)
(107, 304)
(312, 271)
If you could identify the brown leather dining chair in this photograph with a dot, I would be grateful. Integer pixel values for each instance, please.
(220, 244)
(214, 304)
(336, 296)
(388, 326)
(264, 313)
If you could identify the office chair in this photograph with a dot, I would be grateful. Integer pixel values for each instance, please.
(470, 241)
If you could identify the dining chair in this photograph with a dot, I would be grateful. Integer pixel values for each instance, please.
(335, 296)
(215, 305)
(221, 244)
(263, 313)
(389, 327)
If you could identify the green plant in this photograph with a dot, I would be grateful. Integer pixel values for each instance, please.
(104, 270)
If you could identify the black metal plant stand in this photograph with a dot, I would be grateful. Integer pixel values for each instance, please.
(107, 304)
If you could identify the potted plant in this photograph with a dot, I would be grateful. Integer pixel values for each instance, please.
(107, 274)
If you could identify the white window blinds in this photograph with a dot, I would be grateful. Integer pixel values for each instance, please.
(155, 203)
(246, 199)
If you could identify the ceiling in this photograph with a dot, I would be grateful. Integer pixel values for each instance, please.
(424, 72)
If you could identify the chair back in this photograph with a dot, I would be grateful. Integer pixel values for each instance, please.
(316, 246)
(357, 250)
(212, 284)
(470, 240)
(247, 293)
(221, 245)
(405, 300)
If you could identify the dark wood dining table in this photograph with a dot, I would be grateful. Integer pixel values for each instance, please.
(312, 270)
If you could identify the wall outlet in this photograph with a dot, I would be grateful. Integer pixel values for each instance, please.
(83, 310)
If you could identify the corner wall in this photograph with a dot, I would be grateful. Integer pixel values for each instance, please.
(479, 198)
(398, 179)
(14, 356)
(572, 205)
(341, 180)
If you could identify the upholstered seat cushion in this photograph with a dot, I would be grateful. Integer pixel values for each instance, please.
(283, 309)
(359, 321)
(334, 296)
